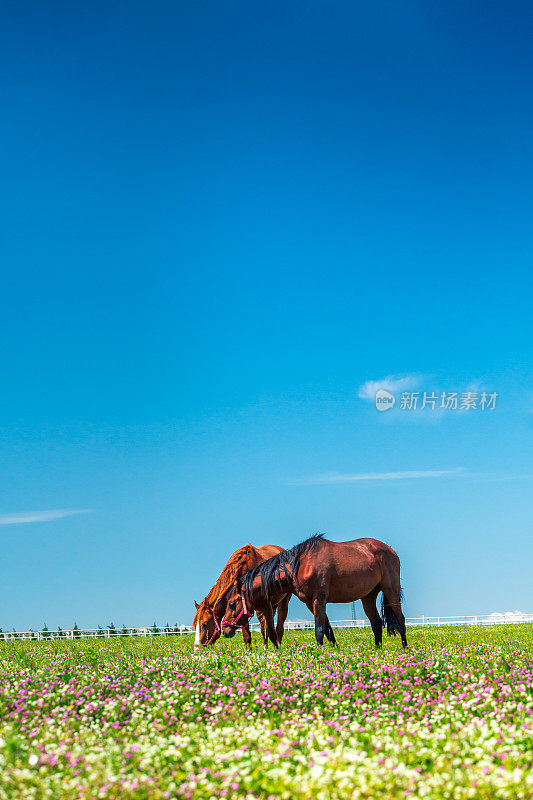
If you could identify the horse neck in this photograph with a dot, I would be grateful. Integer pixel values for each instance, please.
(240, 562)
(284, 584)
(220, 607)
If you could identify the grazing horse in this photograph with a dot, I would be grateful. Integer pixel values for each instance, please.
(209, 613)
(318, 571)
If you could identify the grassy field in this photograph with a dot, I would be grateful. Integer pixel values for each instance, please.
(147, 718)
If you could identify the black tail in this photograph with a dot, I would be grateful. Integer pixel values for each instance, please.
(388, 617)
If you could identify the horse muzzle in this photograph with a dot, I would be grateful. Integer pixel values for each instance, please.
(228, 631)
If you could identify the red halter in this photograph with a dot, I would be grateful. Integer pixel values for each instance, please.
(217, 628)
(244, 611)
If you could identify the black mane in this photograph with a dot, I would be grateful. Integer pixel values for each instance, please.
(269, 570)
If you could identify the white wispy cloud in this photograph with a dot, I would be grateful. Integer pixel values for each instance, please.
(392, 383)
(24, 517)
(340, 477)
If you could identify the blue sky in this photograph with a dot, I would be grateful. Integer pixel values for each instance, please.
(221, 221)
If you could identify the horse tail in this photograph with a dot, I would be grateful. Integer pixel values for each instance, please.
(388, 617)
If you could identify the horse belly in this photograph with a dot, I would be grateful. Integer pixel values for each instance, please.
(345, 587)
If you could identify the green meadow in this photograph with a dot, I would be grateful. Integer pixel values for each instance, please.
(451, 717)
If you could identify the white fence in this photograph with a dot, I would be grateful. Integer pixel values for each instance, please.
(418, 622)
(178, 630)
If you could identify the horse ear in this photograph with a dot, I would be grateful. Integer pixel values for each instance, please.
(196, 605)
(237, 585)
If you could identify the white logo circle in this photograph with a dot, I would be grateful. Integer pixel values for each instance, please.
(384, 400)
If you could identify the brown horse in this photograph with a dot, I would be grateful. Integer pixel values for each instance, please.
(318, 571)
(209, 613)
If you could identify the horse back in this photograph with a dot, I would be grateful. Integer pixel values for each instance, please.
(344, 571)
(265, 551)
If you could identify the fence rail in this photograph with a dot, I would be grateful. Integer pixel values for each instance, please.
(423, 621)
(179, 630)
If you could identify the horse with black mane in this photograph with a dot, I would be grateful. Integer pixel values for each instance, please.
(209, 613)
(318, 572)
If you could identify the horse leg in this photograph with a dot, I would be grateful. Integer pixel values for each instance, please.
(268, 614)
(392, 601)
(283, 610)
(329, 632)
(262, 623)
(319, 613)
(271, 630)
(246, 634)
(369, 606)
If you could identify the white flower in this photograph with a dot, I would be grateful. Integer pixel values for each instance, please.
(33, 760)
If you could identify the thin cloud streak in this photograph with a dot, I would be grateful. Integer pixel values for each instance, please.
(337, 477)
(25, 517)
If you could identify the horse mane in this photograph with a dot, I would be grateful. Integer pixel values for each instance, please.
(287, 559)
(235, 567)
